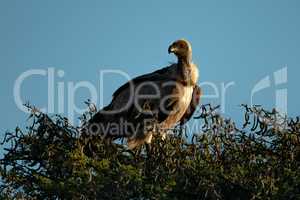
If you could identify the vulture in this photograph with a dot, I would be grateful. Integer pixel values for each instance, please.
(152, 103)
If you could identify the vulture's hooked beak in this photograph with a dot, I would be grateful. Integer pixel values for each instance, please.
(171, 49)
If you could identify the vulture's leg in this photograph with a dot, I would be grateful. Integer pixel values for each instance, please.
(148, 150)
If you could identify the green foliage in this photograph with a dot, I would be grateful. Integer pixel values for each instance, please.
(52, 160)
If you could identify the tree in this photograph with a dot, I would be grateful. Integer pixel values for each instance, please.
(52, 160)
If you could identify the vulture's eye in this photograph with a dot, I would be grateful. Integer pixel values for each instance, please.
(181, 45)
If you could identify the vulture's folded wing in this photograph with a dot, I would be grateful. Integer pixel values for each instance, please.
(151, 92)
(157, 75)
(147, 97)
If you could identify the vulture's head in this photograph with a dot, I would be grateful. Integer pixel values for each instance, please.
(181, 48)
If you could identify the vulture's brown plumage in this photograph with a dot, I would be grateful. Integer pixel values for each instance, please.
(151, 103)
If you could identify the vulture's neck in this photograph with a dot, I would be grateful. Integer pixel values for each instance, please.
(185, 61)
(189, 71)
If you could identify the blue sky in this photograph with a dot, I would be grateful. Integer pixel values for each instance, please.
(233, 41)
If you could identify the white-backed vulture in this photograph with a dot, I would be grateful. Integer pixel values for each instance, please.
(151, 103)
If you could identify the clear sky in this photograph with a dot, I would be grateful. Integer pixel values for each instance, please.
(233, 41)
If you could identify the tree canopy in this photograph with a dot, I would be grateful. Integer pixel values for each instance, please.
(51, 159)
